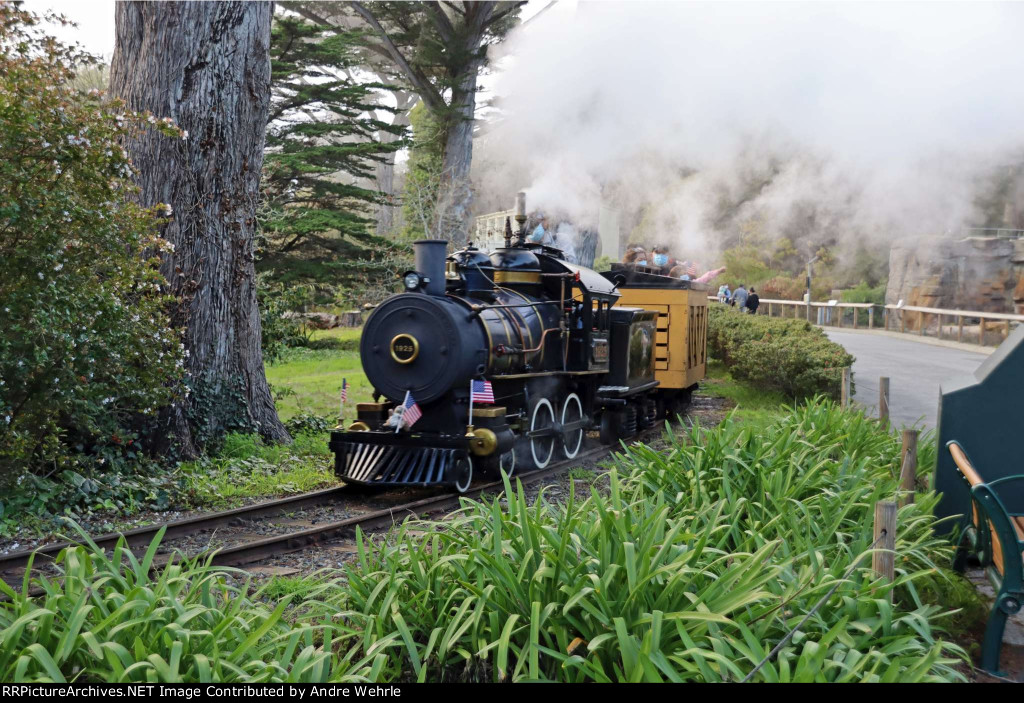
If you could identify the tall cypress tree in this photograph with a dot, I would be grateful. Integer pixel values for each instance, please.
(323, 146)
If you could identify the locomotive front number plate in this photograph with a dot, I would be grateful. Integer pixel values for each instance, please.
(404, 348)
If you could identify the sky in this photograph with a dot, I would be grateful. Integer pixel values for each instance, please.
(94, 17)
(889, 110)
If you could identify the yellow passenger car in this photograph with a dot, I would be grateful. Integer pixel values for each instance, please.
(682, 337)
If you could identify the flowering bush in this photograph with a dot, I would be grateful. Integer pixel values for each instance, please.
(86, 352)
(789, 356)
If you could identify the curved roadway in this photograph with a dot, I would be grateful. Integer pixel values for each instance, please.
(915, 370)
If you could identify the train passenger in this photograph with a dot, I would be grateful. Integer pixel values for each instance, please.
(726, 294)
(635, 255)
(540, 232)
(564, 239)
(709, 276)
(662, 260)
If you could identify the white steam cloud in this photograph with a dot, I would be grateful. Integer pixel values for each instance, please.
(843, 122)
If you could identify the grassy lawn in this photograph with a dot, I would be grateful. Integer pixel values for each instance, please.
(308, 380)
(246, 468)
(753, 407)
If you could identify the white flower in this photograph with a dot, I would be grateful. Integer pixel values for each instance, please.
(41, 276)
(58, 267)
(184, 134)
(8, 418)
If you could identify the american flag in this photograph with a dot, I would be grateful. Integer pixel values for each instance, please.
(412, 411)
(344, 390)
(482, 392)
(692, 270)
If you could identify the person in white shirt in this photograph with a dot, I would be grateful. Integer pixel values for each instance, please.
(564, 239)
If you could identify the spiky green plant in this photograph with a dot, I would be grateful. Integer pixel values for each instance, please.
(116, 619)
(692, 566)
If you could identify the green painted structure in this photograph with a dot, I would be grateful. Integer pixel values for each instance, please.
(984, 412)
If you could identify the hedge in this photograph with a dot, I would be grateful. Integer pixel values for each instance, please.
(792, 357)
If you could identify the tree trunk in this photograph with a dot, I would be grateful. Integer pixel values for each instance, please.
(206, 65)
(456, 199)
(386, 169)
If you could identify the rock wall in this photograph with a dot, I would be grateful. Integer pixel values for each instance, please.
(976, 273)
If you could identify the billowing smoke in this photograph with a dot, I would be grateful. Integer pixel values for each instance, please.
(859, 122)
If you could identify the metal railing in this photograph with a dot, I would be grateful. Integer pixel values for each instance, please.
(964, 325)
(1001, 232)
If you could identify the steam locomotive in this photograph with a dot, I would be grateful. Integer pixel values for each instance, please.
(560, 355)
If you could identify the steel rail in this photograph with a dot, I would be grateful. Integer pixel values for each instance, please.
(142, 536)
(258, 550)
(250, 552)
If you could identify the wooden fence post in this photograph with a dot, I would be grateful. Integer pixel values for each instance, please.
(883, 561)
(883, 401)
(908, 467)
(844, 395)
(959, 328)
(871, 317)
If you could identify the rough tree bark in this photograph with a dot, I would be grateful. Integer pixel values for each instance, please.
(206, 65)
(456, 188)
(386, 169)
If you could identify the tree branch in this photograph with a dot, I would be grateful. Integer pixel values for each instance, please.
(441, 21)
(497, 17)
(420, 82)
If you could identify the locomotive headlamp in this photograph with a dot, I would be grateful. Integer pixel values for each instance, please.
(412, 281)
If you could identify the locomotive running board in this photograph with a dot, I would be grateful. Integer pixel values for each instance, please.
(385, 459)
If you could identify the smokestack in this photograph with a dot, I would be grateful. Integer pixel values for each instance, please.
(521, 216)
(430, 256)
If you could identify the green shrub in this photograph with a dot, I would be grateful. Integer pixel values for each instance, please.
(109, 619)
(87, 354)
(696, 561)
(863, 293)
(309, 423)
(789, 356)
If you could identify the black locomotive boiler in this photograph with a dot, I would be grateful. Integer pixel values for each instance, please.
(561, 357)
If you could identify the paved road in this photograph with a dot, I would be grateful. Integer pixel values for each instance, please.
(915, 371)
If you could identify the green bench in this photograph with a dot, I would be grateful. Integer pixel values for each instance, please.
(994, 533)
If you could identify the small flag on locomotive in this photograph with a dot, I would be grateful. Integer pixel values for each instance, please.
(412, 411)
(482, 392)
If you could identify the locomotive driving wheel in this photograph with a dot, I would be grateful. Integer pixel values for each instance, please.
(507, 462)
(572, 425)
(462, 470)
(542, 433)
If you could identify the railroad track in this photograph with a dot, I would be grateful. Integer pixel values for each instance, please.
(252, 551)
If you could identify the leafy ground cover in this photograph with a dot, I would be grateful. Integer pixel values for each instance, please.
(694, 565)
(687, 564)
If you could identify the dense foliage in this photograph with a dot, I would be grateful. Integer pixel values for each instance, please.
(107, 618)
(694, 563)
(689, 563)
(792, 357)
(86, 355)
(323, 143)
(420, 208)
